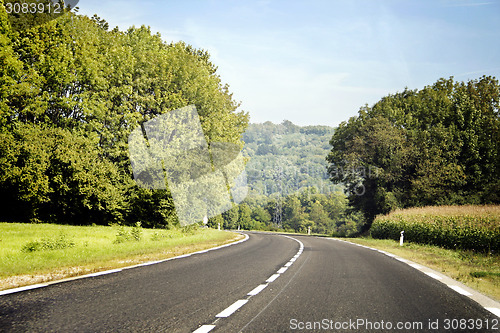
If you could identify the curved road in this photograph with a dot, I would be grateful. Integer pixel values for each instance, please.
(269, 283)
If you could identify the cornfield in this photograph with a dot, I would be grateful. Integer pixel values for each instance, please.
(455, 227)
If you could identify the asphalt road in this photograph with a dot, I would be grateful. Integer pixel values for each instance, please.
(327, 286)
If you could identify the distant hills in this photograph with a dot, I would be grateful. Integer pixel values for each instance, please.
(285, 158)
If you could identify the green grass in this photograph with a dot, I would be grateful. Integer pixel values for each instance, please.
(34, 253)
(480, 271)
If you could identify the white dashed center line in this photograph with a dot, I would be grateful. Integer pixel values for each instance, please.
(205, 329)
(232, 308)
(257, 290)
(239, 303)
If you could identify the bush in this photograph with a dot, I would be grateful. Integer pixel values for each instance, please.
(48, 244)
(136, 232)
(190, 228)
(123, 235)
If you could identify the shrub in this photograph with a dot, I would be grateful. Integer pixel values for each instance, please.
(123, 235)
(190, 229)
(136, 232)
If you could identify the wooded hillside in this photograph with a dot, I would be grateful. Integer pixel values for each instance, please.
(288, 183)
(286, 158)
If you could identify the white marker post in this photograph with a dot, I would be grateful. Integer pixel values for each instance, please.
(308, 230)
(401, 238)
(218, 226)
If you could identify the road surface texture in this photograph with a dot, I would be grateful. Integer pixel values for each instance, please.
(269, 283)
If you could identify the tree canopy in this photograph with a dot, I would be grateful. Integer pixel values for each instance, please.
(434, 146)
(71, 92)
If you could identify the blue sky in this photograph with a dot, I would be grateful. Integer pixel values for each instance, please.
(318, 62)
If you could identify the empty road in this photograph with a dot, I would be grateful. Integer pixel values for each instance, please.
(269, 283)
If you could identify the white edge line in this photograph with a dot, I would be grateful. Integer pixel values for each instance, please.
(495, 311)
(16, 290)
(111, 271)
(205, 329)
(232, 308)
(41, 285)
(178, 257)
(460, 290)
(257, 290)
(146, 263)
(434, 276)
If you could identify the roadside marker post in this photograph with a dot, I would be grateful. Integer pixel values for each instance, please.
(401, 239)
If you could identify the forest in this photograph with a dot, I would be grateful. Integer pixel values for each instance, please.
(285, 158)
(71, 92)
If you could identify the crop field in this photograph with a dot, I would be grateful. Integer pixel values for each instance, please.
(455, 227)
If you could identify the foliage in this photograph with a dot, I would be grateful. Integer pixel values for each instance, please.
(326, 214)
(48, 244)
(56, 174)
(126, 234)
(435, 146)
(286, 164)
(286, 158)
(71, 92)
(459, 227)
(190, 229)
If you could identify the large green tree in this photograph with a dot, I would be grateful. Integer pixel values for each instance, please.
(71, 92)
(438, 145)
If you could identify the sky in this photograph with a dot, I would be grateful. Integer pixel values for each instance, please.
(318, 62)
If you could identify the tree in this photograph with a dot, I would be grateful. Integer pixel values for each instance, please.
(320, 218)
(244, 216)
(294, 216)
(54, 175)
(71, 92)
(259, 214)
(421, 148)
(231, 218)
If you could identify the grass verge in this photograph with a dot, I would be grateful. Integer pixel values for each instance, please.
(36, 253)
(477, 270)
